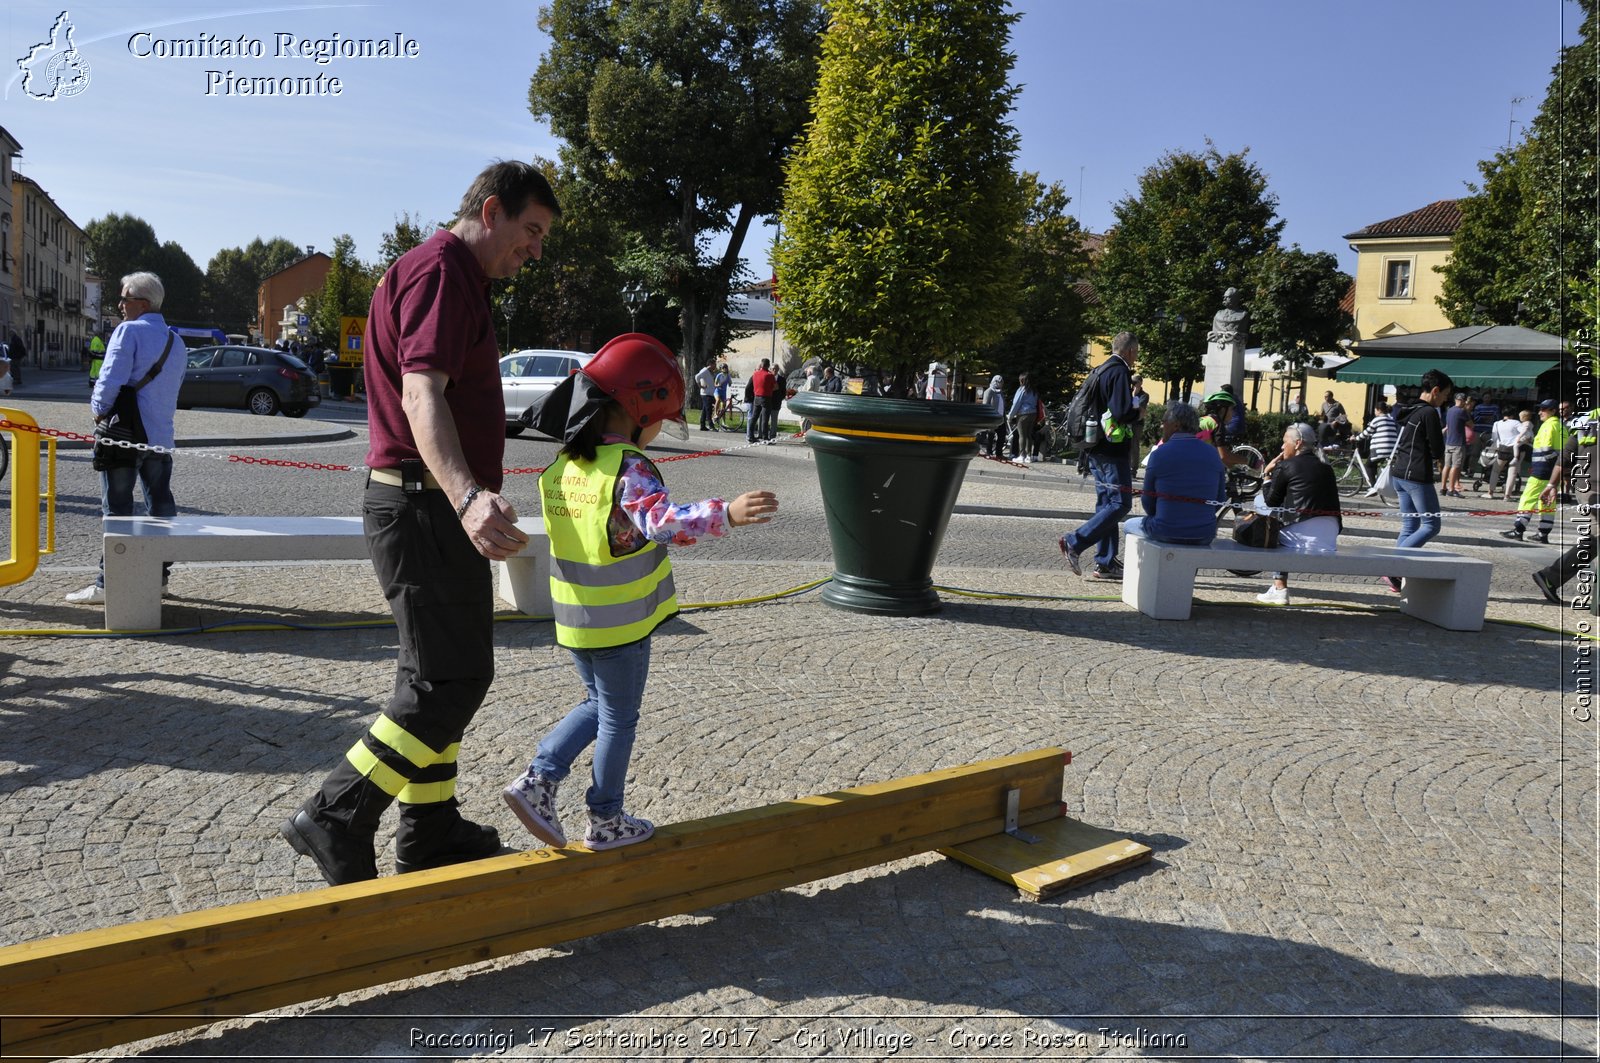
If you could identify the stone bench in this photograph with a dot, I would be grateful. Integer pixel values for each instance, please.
(136, 548)
(1443, 589)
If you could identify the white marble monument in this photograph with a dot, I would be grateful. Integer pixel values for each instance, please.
(1224, 362)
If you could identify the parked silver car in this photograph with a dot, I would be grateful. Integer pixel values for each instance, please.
(526, 375)
(257, 379)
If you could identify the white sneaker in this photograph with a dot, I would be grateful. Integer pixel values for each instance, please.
(533, 798)
(1274, 596)
(90, 595)
(609, 832)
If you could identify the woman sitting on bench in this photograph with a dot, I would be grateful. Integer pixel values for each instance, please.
(1304, 495)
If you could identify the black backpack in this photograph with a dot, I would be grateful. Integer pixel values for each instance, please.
(1086, 404)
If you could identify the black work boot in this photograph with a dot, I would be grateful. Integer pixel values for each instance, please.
(435, 835)
(341, 855)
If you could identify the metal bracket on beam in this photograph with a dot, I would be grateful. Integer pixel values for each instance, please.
(1013, 805)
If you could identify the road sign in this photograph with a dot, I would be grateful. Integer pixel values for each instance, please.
(351, 351)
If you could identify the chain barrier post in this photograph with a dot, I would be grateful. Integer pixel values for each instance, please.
(26, 497)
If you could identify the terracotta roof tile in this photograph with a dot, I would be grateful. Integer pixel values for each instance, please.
(1440, 218)
(1347, 303)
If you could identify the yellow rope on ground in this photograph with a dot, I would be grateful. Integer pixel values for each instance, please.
(963, 592)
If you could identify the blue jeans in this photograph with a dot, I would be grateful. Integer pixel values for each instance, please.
(1419, 511)
(154, 472)
(1113, 495)
(607, 718)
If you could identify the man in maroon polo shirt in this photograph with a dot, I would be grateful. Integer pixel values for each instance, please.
(434, 519)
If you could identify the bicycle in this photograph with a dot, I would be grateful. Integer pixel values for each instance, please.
(1353, 472)
(1243, 482)
(729, 419)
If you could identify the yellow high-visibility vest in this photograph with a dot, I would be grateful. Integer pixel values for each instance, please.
(600, 600)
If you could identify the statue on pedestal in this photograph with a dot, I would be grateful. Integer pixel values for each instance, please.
(1228, 326)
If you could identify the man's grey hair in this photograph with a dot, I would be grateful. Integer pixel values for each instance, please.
(144, 285)
(1122, 341)
(1183, 416)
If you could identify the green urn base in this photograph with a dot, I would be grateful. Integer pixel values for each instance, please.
(890, 471)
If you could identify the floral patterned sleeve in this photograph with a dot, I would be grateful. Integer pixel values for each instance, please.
(643, 498)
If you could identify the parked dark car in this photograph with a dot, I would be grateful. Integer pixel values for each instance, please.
(257, 379)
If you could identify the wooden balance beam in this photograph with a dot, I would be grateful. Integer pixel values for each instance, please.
(80, 993)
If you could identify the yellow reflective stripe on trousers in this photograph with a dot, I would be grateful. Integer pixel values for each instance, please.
(428, 793)
(404, 742)
(374, 770)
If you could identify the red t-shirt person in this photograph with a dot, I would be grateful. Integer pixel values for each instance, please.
(763, 383)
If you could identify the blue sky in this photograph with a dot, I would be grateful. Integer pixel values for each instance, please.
(1357, 110)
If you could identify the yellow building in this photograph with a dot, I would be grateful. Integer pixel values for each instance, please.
(1397, 287)
(47, 253)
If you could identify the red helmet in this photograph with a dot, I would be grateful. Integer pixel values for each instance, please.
(642, 375)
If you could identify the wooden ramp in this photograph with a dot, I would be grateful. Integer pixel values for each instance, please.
(83, 992)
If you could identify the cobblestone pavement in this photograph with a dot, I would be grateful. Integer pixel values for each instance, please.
(1373, 837)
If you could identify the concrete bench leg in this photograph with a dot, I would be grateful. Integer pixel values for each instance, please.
(133, 588)
(525, 578)
(1157, 586)
(1454, 604)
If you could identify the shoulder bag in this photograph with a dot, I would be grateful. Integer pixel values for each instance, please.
(1258, 529)
(124, 424)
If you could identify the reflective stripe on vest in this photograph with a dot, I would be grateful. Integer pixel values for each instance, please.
(599, 600)
(1547, 444)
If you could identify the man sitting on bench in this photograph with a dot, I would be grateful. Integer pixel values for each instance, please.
(1184, 482)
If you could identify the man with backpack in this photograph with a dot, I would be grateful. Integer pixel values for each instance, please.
(1102, 416)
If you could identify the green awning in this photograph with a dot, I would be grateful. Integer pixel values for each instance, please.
(1466, 372)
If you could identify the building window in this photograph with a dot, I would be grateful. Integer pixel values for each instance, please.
(1397, 279)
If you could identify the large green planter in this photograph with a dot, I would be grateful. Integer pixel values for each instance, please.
(891, 470)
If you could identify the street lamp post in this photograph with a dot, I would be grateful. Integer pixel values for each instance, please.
(508, 306)
(634, 295)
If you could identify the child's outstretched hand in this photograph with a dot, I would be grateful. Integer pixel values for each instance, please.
(752, 507)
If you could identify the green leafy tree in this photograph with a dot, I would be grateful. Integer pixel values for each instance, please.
(1197, 227)
(184, 284)
(234, 276)
(1485, 280)
(1531, 233)
(1048, 342)
(406, 234)
(571, 298)
(120, 244)
(1296, 313)
(346, 292)
(902, 204)
(1561, 217)
(676, 117)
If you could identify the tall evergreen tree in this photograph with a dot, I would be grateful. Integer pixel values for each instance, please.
(902, 205)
